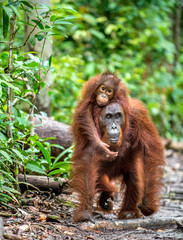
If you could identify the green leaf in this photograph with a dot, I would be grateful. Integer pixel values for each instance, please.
(26, 100)
(33, 138)
(97, 34)
(63, 165)
(15, 11)
(70, 9)
(32, 41)
(45, 6)
(18, 154)
(62, 22)
(50, 60)
(67, 150)
(39, 37)
(5, 22)
(1, 91)
(8, 11)
(44, 152)
(16, 89)
(27, 23)
(40, 25)
(54, 172)
(6, 77)
(27, 4)
(35, 168)
(6, 155)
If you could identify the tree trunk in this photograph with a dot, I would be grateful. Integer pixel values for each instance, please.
(42, 100)
(177, 33)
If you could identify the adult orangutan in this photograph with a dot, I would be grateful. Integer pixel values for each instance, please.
(97, 92)
(128, 130)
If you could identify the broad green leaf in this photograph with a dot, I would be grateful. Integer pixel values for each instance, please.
(27, 3)
(8, 11)
(50, 60)
(97, 34)
(18, 154)
(15, 11)
(33, 138)
(67, 8)
(35, 168)
(27, 23)
(1, 91)
(6, 77)
(26, 100)
(6, 155)
(54, 172)
(12, 190)
(40, 25)
(32, 40)
(16, 89)
(45, 6)
(39, 37)
(63, 165)
(44, 152)
(67, 150)
(5, 22)
(62, 22)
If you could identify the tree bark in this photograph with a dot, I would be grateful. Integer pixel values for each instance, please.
(177, 33)
(1, 227)
(46, 127)
(42, 183)
(42, 100)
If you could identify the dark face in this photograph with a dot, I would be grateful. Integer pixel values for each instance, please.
(105, 92)
(111, 122)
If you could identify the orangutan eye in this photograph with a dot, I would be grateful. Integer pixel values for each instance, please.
(110, 92)
(102, 88)
(118, 115)
(108, 116)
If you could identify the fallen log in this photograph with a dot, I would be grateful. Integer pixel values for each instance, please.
(1, 227)
(152, 223)
(49, 128)
(42, 183)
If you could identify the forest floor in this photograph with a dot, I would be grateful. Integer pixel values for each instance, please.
(44, 215)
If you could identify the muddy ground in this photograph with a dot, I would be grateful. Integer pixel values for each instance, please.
(44, 215)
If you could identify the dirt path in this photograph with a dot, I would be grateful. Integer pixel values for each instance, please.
(46, 216)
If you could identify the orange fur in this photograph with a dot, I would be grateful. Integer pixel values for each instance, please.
(139, 162)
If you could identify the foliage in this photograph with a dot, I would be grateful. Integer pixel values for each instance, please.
(66, 87)
(134, 39)
(21, 77)
(47, 165)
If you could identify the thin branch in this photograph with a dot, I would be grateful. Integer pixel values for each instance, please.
(32, 94)
(5, 42)
(28, 36)
(31, 33)
(20, 78)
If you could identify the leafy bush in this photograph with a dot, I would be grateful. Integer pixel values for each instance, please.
(21, 78)
(67, 83)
